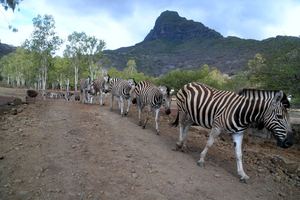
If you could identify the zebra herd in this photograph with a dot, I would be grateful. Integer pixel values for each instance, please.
(201, 105)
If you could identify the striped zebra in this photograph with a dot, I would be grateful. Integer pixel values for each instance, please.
(225, 111)
(147, 94)
(100, 86)
(85, 90)
(122, 90)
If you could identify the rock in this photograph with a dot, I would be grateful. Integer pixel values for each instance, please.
(134, 175)
(277, 178)
(260, 170)
(17, 101)
(291, 168)
(18, 181)
(217, 175)
(14, 111)
(282, 194)
(19, 110)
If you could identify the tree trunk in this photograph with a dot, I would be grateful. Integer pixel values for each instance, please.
(76, 78)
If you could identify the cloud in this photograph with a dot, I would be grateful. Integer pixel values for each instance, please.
(126, 22)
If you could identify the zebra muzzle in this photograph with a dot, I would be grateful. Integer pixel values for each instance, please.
(287, 142)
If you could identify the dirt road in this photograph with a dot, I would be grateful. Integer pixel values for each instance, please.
(64, 150)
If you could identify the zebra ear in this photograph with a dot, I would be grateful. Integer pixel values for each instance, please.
(278, 97)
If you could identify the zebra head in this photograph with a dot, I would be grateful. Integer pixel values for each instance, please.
(92, 89)
(276, 120)
(106, 83)
(166, 100)
(132, 82)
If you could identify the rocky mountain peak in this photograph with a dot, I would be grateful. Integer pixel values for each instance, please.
(169, 25)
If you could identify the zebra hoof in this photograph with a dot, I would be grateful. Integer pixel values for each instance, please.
(140, 123)
(243, 180)
(157, 132)
(126, 113)
(178, 145)
(143, 127)
(200, 164)
(185, 149)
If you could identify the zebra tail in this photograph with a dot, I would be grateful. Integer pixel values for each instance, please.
(176, 122)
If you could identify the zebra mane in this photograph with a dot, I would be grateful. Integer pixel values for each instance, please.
(257, 93)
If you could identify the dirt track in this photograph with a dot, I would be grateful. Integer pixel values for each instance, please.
(65, 150)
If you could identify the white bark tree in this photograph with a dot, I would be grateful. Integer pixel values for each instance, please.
(44, 42)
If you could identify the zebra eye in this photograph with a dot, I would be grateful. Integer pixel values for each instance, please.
(279, 116)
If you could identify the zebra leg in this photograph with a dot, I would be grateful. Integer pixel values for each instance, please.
(101, 96)
(184, 126)
(212, 135)
(111, 102)
(121, 103)
(147, 117)
(82, 96)
(238, 139)
(91, 97)
(157, 120)
(140, 113)
(128, 106)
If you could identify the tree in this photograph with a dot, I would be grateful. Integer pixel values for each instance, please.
(130, 70)
(257, 70)
(93, 48)
(61, 72)
(17, 68)
(44, 43)
(10, 4)
(75, 50)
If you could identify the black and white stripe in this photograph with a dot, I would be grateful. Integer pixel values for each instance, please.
(101, 87)
(225, 111)
(122, 90)
(85, 89)
(147, 94)
(263, 95)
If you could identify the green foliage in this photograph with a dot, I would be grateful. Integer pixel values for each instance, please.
(282, 73)
(129, 72)
(17, 68)
(256, 68)
(177, 78)
(44, 40)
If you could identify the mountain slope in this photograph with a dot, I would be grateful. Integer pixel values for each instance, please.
(176, 42)
(6, 49)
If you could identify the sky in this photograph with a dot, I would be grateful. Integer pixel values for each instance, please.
(122, 23)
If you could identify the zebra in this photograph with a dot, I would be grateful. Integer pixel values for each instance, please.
(121, 89)
(227, 111)
(85, 90)
(147, 94)
(101, 86)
